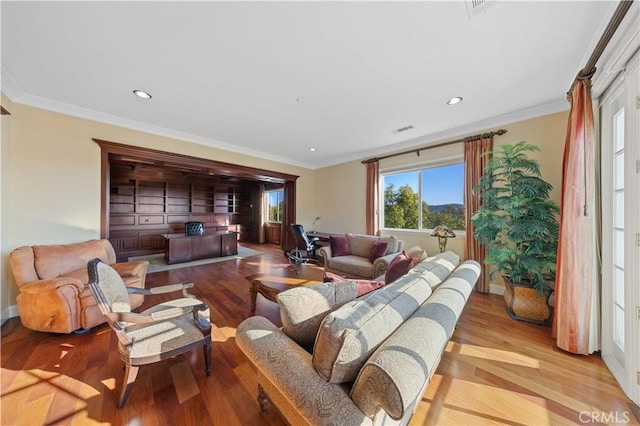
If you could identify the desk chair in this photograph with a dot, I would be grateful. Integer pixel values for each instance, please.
(305, 249)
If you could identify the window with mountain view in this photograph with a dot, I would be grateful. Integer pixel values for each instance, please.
(425, 198)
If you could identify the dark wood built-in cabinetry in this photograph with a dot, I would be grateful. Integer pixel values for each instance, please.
(146, 193)
(273, 232)
(180, 248)
(146, 203)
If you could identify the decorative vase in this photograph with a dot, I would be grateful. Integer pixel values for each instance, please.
(525, 304)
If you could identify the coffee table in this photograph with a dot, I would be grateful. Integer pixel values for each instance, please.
(271, 283)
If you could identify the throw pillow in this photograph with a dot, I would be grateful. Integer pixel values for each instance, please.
(330, 277)
(367, 286)
(398, 267)
(417, 253)
(378, 249)
(339, 245)
(364, 286)
(349, 335)
(302, 309)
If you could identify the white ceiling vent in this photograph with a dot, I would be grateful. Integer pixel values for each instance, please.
(478, 7)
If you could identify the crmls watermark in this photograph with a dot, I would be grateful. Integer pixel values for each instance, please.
(609, 417)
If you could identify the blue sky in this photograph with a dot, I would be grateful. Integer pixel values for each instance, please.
(440, 185)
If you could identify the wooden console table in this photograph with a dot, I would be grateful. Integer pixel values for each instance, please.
(180, 248)
(322, 236)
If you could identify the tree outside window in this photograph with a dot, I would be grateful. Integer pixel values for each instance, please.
(275, 205)
(425, 198)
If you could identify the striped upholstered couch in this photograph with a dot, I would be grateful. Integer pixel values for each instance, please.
(339, 359)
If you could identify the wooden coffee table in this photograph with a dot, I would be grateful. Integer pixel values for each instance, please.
(276, 281)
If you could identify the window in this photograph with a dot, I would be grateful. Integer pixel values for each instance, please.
(275, 205)
(424, 198)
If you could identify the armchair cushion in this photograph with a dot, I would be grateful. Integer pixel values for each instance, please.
(51, 261)
(339, 245)
(40, 286)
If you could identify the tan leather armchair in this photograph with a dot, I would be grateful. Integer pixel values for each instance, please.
(53, 282)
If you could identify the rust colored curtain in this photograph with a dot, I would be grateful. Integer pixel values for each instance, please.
(474, 164)
(576, 269)
(372, 198)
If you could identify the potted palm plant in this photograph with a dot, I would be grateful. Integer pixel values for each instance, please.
(518, 224)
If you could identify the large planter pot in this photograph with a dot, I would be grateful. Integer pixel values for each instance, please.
(523, 303)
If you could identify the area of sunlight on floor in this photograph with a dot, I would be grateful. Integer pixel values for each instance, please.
(222, 334)
(30, 383)
(483, 404)
(493, 354)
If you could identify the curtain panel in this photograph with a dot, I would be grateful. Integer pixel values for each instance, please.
(577, 289)
(474, 165)
(372, 192)
(264, 214)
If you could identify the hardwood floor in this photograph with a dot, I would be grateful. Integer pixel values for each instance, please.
(495, 370)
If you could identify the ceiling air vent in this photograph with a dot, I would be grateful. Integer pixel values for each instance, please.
(477, 7)
(403, 129)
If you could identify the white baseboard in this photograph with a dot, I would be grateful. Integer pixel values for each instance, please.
(9, 312)
(496, 289)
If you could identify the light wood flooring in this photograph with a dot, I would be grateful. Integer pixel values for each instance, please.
(495, 370)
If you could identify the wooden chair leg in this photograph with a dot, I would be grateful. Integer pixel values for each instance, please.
(263, 401)
(131, 372)
(207, 358)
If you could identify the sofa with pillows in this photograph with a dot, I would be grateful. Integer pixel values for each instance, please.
(360, 256)
(353, 353)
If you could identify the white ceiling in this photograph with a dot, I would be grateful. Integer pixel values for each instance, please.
(229, 74)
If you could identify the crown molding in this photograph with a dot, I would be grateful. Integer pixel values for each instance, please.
(16, 94)
(9, 85)
(89, 114)
(552, 107)
(624, 43)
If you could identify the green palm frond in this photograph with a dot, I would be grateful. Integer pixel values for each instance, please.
(517, 220)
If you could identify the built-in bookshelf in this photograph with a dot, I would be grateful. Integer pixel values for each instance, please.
(141, 210)
(166, 197)
(202, 198)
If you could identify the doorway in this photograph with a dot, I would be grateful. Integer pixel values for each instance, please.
(620, 132)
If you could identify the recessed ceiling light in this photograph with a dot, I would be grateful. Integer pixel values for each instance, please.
(142, 94)
(312, 149)
(299, 100)
(454, 101)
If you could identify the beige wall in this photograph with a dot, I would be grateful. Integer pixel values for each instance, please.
(340, 200)
(5, 300)
(51, 191)
(50, 170)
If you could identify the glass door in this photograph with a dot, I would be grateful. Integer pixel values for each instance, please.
(621, 229)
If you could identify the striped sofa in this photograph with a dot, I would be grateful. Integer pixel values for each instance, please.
(361, 361)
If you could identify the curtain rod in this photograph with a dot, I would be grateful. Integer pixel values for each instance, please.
(417, 150)
(590, 68)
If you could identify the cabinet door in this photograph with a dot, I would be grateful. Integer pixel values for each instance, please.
(178, 250)
(205, 247)
(229, 244)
